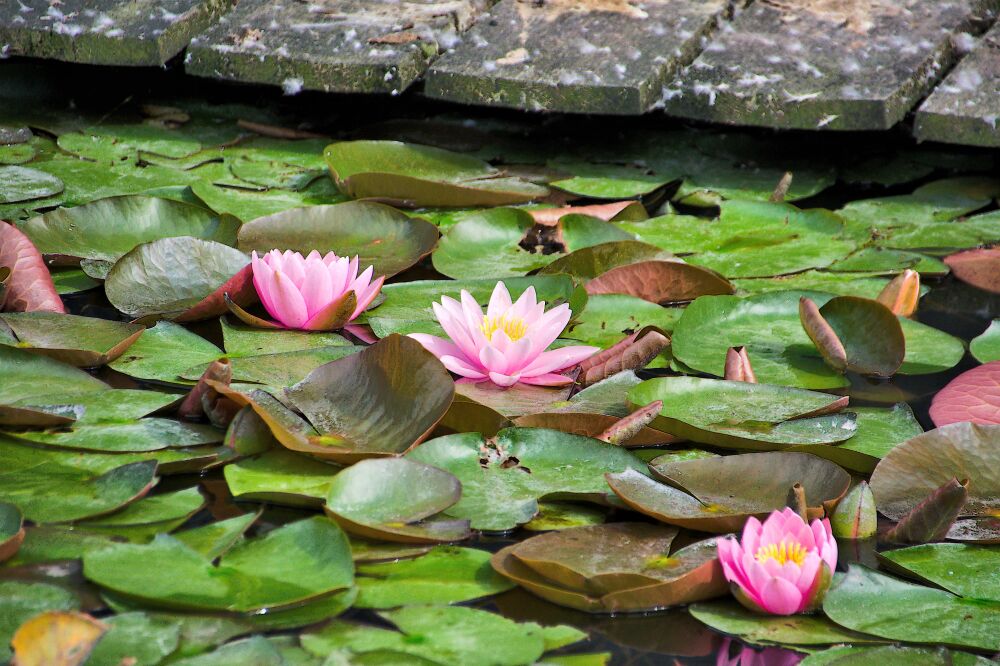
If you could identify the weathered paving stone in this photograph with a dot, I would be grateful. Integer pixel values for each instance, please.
(330, 45)
(825, 64)
(104, 32)
(965, 107)
(583, 56)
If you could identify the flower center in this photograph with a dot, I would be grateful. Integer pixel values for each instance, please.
(783, 552)
(514, 327)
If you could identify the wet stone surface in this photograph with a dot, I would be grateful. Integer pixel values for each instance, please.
(965, 107)
(104, 32)
(362, 46)
(595, 56)
(825, 64)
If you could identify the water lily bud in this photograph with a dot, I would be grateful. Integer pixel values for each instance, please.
(902, 294)
(854, 517)
(738, 368)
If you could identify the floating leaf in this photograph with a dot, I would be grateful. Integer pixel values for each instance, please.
(522, 465)
(589, 262)
(28, 376)
(729, 617)
(718, 494)
(28, 287)
(855, 334)
(24, 184)
(379, 235)
(105, 230)
(973, 396)
(913, 470)
(986, 346)
(445, 575)
(391, 498)
(866, 601)
(169, 276)
(21, 601)
(931, 519)
(413, 175)
(980, 268)
(282, 477)
(148, 434)
(294, 563)
(968, 571)
(609, 212)
(744, 416)
(382, 401)
(892, 654)
(164, 352)
(56, 638)
(608, 181)
(11, 530)
(85, 342)
(147, 639)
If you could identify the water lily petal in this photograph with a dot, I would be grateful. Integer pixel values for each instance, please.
(559, 359)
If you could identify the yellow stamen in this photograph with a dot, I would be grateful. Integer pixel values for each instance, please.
(514, 327)
(783, 552)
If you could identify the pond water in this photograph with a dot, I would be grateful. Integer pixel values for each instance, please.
(668, 637)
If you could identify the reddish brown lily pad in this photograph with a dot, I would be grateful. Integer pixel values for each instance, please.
(238, 290)
(661, 282)
(29, 287)
(980, 268)
(973, 396)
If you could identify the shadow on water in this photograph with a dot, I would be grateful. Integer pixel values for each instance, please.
(669, 637)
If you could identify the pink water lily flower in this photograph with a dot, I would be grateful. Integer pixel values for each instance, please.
(783, 566)
(507, 344)
(313, 293)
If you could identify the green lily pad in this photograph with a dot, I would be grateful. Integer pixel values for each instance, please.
(164, 352)
(72, 281)
(106, 230)
(445, 575)
(856, 334)
(85, 342)
(768, 325)
(11, 530)
(25, 184)
(20, 601)
(414, 175)
(986, 346)
(282, 477)
(742, 415)
(729, 617)
(381, 401)
(947, 236)
(610, 317)
(435, 635)
(112, 406)
(492, 243)
(51, 486)
(277, 370)
(379, 235)
(607, 181)
(256, 650)
(880, 260)
(892, 655)
(873, 603)
(711, 182)
(914, 469)
(241, 340)
(213, 540)
(53, 543)
(865, 285)
(501, 493)
(150, 515)
(880, 429)
(147, 639)
(392, 498)
(718, 494)
(249, 205)
(968, 571)
(564, 515)
(297, 562)
(149, 434)
(169, 276)
(407, 305)
(26, 375)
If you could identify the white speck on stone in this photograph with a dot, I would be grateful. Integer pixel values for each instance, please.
(826, 120)
(963, 42)
(292, 86)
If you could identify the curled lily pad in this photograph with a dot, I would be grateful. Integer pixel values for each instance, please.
(755, 484)
(870, 602)
(51, 486)
(414, 175)
(379, 235)
(589, 262)
(624, 567)
(380, 402)
(28, 285)
(167, 277)
(742, 415)
(298, 562)
(11, 530)
(392, 498)
(521, 466)
(855, 334)
(973, 396)
(85, 342)
(660, 282)
(103, 231)
(916, 468)
(609, 212)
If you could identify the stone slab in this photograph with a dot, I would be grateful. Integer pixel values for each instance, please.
(577, 56)
(104, 32)
(825, 64)
(965, 107)
(354, 46)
